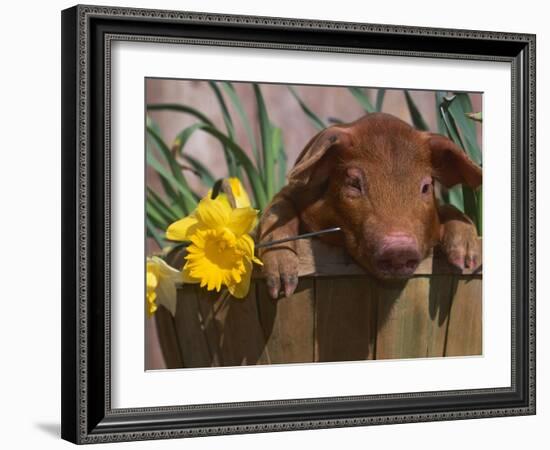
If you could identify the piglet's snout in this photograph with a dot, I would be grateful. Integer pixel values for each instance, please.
(398, 255)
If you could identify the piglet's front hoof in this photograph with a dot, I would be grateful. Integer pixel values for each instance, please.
(281, 271)
(463, 247)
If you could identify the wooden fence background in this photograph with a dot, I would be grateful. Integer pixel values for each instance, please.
(338, 313)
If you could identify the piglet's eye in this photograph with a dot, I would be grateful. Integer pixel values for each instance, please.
(426, 185)
(354, 183)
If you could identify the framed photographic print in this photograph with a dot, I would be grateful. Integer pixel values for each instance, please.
(281, 224)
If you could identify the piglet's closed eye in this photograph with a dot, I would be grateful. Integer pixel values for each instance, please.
(450, 163)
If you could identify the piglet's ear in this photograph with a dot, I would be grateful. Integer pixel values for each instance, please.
(451, 165)
(310, 161)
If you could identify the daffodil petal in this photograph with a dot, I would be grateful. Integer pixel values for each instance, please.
(220, 198)
(246, 244)
(240, 290)
(213, 213)
(167, 295)
(243, 220)
(239, 193)
(198, 243)
(182, 229)
(164, 269)
(152, 280)
(151, 308)
(161, 285)
(151, 296)
(236, 275)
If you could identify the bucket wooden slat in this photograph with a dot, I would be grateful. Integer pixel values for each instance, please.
(403, 320)
(288, 324)
(412, 319)
(168, 340)
(345, 319)
(207, 302)
(442, 288)
(465, 331)
(190, 329)
(240, 336)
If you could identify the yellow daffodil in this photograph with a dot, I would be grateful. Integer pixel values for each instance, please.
(221, 252)
(152, 283)
(161, 285)
(240, 195)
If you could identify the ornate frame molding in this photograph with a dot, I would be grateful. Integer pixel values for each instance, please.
(85, 421)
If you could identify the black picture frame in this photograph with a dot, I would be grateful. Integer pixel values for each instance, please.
(87, 415)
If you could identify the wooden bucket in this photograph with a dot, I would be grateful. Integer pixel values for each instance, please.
(338, 313)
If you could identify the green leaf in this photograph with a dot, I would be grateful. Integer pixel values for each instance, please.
(153, 233)
(231, 163)
(177, 149)
(179, 108)
(154, 216)
(189, 199)
(166, 212)
(362, 98)
(152, 124)
(243, 159)
(183, 109)
(439, 96)
(416, 117)
(469, 203)
(172, 193)
(235, 100)
(455, 197)
(269, 154)
(458, 107)
(315, 120)
(280, 158)
(186, 194)
(479, 195)
(380, 99)
(202, 171)
(282, 163)
(450, 125)
(182, 137)
(225, 111)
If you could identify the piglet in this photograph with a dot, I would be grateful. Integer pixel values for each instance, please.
(373, 178)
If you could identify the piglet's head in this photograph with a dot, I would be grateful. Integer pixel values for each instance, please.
(375, 178)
